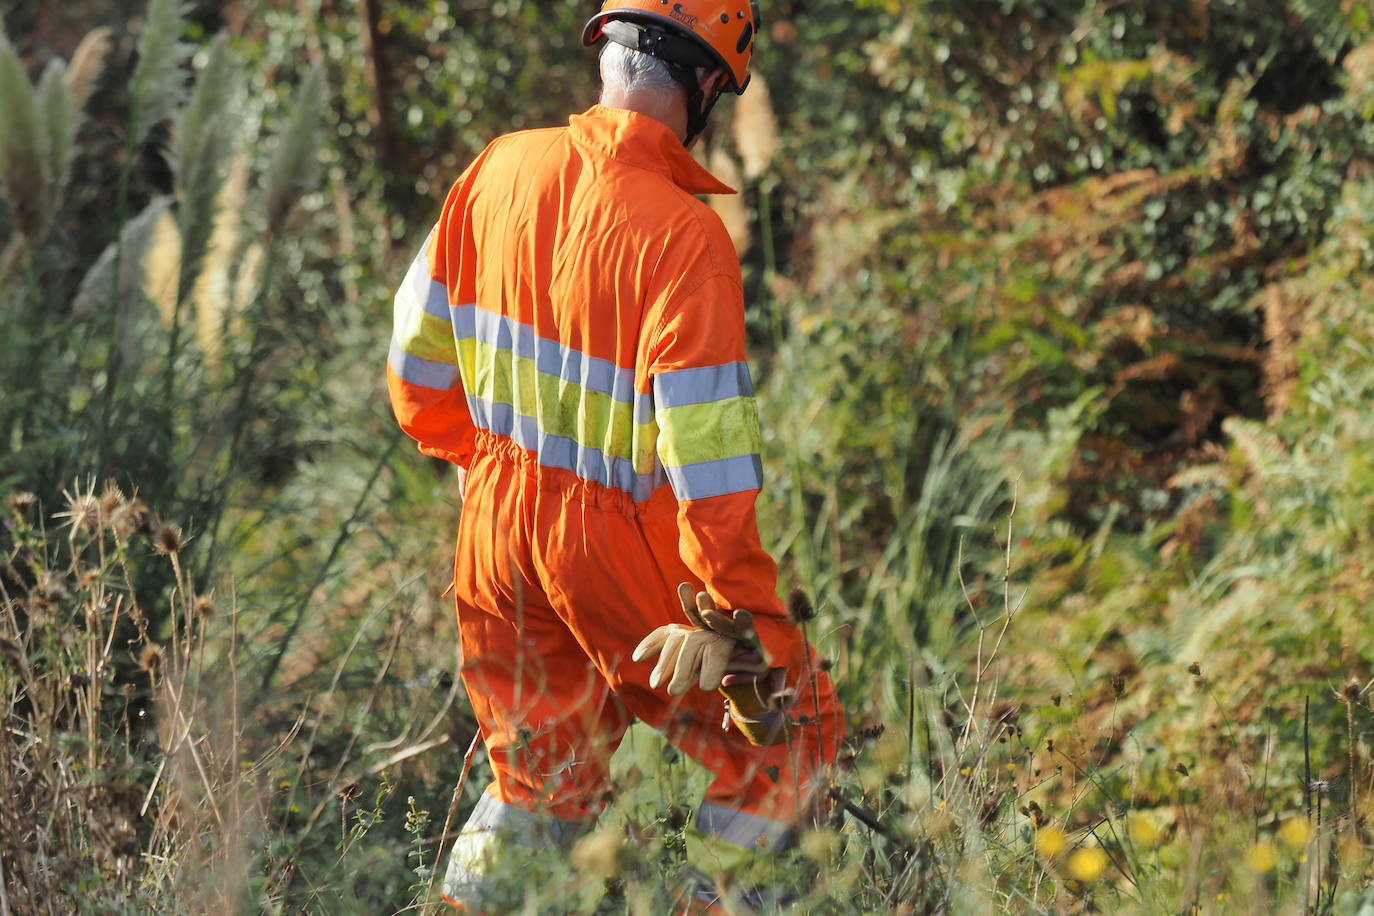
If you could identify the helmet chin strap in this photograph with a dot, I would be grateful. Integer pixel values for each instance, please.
(698, 106)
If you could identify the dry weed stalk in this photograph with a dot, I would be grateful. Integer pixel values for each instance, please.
(119, 775)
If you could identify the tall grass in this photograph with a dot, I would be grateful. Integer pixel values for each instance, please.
(229, 677)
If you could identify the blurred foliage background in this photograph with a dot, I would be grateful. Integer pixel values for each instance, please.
(1059, 311)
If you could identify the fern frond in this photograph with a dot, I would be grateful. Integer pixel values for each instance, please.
(202, 145)
(60, 120)
(22, 165)
(158, 84)
(87, 64)
(293, 162)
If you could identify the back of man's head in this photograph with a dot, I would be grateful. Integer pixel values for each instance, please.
(629, 72)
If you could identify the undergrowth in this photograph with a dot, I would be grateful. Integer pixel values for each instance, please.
(1064, 365)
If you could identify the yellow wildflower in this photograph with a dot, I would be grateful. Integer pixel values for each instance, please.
(1295, 833)
(1049, 841)
(1144, 832)
(1087, 863)
(1261, 857)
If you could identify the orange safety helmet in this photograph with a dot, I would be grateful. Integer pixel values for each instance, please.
(690, 33)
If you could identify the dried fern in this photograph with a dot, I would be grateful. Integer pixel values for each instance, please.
(23, 176)
(203, 144)
(158, 84)
(293, 162)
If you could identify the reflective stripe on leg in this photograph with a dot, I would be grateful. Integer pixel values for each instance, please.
(735, 854)
(493, 831)
(742, 828)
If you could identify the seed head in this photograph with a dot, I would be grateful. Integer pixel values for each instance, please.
(150, 659)
(83, 510)
(110, 500)
(799, 606)
(204, 607)
(21, 502)
(129, 516)
(51, 589)
(167, 541)
(1350, 693)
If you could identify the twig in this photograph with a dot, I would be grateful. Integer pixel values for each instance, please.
(414, 750)
(868, 820)
(452, 809)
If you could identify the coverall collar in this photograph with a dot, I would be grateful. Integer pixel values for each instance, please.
(639, 140)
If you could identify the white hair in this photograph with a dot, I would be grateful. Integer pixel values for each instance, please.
(634, 71)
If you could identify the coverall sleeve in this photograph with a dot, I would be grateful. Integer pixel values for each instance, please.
(422, 373)
(709, 444)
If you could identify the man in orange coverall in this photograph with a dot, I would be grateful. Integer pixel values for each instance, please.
(572, 336)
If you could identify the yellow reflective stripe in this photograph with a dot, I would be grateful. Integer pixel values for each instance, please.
(429, 338)
(695, 433)
(592, 419)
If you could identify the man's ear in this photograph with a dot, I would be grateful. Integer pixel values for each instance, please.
(714, 80)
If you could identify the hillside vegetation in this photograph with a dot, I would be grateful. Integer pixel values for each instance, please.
(1059, 312)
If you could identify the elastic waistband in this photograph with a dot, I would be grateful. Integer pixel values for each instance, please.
(563, 482)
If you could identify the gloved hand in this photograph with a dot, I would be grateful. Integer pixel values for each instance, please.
(716, 644)
(720, 651)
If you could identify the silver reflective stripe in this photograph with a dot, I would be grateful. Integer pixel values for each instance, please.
(426, 373)
(702, 385)
(424, 290)
(563, 452)
(742, 828)
(716, 478)
(550, 357)
(492, 823)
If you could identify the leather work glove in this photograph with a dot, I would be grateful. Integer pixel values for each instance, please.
(719, 651)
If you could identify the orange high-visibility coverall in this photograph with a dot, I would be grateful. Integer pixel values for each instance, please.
(572, 333)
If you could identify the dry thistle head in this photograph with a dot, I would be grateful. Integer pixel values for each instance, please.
(83, 510)
(1350, 693)
(111, 498)
(799, 606)
(21, 502)
(150, 659)
(51, 589)
(204, 606)
(168, 540)
(129, 516)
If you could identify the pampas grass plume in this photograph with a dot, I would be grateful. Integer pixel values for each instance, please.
(755, 128)
(730, 207)
(293, 163)
(22, 176)
(158, 84)
(88, 63)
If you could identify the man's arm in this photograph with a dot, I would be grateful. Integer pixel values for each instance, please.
(709, 445)
(423, 377)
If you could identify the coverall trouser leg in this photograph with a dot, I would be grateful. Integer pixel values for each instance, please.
(555, 587)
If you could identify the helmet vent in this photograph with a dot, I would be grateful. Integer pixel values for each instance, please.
(744, 37)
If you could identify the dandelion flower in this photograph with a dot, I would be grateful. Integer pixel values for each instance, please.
(1087, 863)
(1261, 857)
(1049, 841)
(1295, 833)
